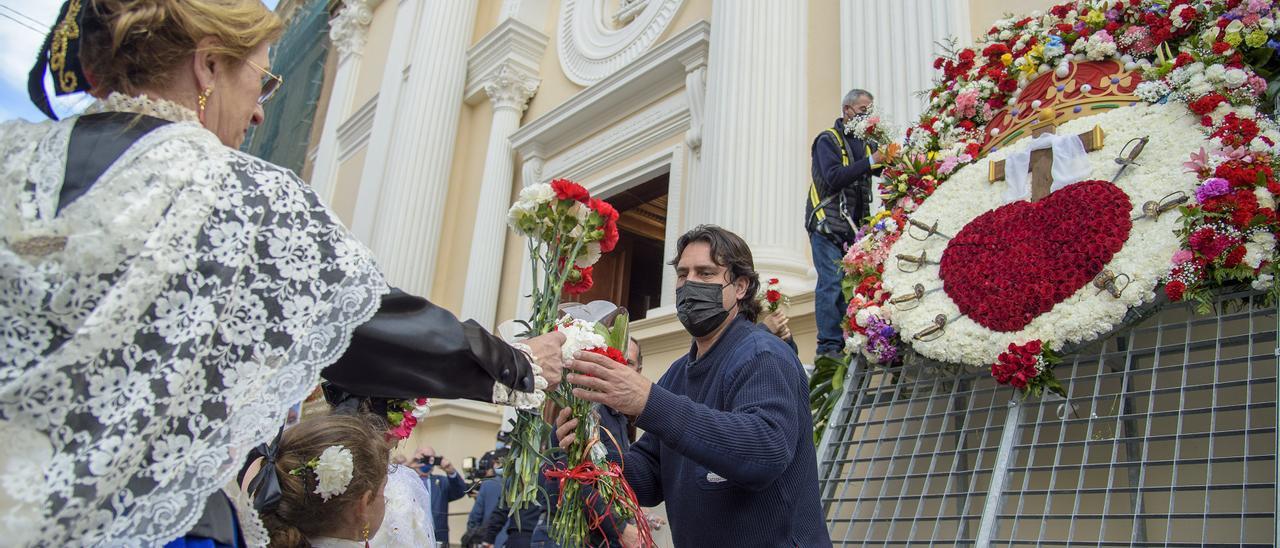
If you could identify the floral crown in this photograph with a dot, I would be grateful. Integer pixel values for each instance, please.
(333, 470)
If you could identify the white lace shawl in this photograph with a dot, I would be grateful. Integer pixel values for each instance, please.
(199, 293)
(406, 521)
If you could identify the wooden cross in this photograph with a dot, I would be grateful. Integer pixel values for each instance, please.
(1042, 160)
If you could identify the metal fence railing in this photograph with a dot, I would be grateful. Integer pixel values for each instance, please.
(1168, 438)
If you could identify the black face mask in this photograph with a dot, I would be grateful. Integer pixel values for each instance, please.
(699, 307)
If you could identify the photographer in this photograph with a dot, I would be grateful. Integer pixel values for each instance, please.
(443, 488)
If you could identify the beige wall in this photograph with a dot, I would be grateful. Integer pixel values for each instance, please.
(374, 59)
(459, 213)
(985, 12)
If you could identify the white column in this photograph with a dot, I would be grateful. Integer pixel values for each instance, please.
(755, 152)
(347, 31)
(887, 47)
(382, 134)
(509, 91)
(406, 228)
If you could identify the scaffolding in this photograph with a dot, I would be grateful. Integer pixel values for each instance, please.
(1167, 438)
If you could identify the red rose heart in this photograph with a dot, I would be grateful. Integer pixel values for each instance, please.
(1016, 262)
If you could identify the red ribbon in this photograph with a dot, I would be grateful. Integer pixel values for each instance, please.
(587, 473)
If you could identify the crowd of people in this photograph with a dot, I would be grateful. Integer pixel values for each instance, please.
(167, 299)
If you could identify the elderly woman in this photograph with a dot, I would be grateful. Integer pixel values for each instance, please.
(164, 298)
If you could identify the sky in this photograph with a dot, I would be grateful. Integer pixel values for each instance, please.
(23, 25)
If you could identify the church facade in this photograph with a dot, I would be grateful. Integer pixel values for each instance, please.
(433, 114)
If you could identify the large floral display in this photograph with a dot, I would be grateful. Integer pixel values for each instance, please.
(1173, 198)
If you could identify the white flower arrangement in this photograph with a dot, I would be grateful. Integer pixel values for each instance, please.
(1088, 313)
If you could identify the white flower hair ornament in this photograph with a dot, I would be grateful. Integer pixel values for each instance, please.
(333, 469)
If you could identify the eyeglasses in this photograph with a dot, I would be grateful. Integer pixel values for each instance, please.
(271, 83)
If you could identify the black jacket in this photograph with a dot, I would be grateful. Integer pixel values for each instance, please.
(843, 191)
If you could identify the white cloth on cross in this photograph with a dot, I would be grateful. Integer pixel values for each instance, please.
(1070, 165)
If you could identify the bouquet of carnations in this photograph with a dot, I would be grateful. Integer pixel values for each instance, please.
(771, 297)
(567, 230)
(870, 128)
(1028, 368)
(592, 488)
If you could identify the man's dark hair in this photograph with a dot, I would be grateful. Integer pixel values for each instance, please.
(639, 350)
(731, 251)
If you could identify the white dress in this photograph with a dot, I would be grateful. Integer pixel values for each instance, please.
(406, 521)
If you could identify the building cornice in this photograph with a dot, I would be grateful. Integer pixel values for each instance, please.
(657, 73)
(513, 49)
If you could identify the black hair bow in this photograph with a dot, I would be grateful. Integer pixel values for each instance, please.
(265, 486)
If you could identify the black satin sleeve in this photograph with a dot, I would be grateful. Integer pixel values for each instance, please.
(412, 348)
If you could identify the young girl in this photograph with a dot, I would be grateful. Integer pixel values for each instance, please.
(332, 471)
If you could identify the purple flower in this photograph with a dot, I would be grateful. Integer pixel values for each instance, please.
(1212, 188)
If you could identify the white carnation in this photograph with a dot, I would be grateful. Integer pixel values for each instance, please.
(579, 335)
(1216, 73)
(537, 194)
(854, 343)
(1236, 77)
(1263, 282)
(1259, 248)
(333, 472)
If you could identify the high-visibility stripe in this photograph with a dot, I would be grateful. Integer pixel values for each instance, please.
(813, 187)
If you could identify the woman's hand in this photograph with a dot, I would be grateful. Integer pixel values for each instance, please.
(546, 353)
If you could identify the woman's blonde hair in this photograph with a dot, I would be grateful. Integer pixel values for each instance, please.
(130, 45)
(301, 512)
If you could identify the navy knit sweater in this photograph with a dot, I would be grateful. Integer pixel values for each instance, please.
(728, 445)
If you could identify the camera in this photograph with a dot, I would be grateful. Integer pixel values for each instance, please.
(424, 464)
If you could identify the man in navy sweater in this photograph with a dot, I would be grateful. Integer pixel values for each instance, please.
(728, 441)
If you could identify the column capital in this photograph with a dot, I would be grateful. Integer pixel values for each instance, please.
(511, 88)
(350, 28)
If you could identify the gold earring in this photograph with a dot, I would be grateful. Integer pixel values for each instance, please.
(366, 534)
(203, 99)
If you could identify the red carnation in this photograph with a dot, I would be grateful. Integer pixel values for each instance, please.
(1221, 47)
(1188, 14)
(1183, 60)
(1174, 290)
(966, 55)
(773, 296)
(609, 352)
(1008, 85)
(579, 281)
(1234, 257)
(973, 149)
(1206, 104)
(773, 281)
(569, 190)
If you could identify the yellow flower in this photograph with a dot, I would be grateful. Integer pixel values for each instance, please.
(1007, 59)
(1233, 38)
(1256, 38)
(931, 155)
(1095, 18)
(1030, 66)
(1038, 51)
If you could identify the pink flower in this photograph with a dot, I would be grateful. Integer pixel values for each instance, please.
(1182, 256)
(1198, 161)
(967, 104)
(1257, 84)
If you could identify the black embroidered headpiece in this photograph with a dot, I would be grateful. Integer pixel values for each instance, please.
(60, 56)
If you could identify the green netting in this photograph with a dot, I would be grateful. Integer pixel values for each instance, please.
(299, 57)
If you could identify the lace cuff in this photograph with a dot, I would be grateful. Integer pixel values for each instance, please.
(504, 395)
